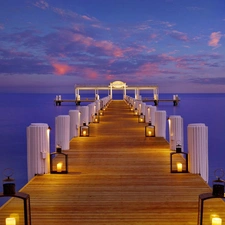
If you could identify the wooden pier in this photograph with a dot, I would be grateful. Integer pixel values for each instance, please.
(116, 176)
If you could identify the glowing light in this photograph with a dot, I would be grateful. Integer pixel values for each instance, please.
(179, 167)
(10, 221)
(59, 167)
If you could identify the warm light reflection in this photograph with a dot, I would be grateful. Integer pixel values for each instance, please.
(84, 132)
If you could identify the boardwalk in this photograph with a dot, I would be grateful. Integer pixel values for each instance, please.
(116, 177)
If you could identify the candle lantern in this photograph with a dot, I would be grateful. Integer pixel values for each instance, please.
(136, 112)
(58, 161)
(84, 130)
(101, 112)
(149, 130)
(96, 118)
(178, 161)
(217, 192)
(141, 118)
(9, 190)
(218, 184)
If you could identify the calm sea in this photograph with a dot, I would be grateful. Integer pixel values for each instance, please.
(18, 111)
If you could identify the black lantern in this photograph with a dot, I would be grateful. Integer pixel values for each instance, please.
(218, 192)
(9, 190)
(178, 161)
(141, 118)
(96, 118)
(215, 220)
(101, 112)
(150, 130)
(84, 130)
(135, 112)
(58, 161)
(218, 184)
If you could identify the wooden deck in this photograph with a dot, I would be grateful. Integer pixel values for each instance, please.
(117, 176)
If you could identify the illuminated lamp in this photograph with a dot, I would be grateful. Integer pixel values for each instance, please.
(217, 192)
(96, 118)
(101, 112)
(141, 118)
(58, 161)
(150, 130)
(84, 130)
(136, 112)
(9, 190)
(180, 165)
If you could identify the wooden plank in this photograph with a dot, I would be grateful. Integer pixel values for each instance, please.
(116, 176)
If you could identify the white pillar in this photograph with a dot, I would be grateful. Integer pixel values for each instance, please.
(62, 131)
(84, 115)
(160, 124)
(38, 149)
(98, 105)
(143, 105)
(176, 131)
(92, 111)
(150, 114)
(198, 149)
(74, 123)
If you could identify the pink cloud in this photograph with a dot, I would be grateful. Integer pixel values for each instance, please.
(179, 35)
(90, 73)
(148, 69)
(1, 26)
(41, 4)
(107, 46)
(214, 39)
(61, 69)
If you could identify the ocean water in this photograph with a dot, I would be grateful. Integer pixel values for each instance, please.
(18, 111)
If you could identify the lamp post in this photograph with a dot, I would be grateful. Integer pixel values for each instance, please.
(217, 192)
(9, 190)
(182, 165)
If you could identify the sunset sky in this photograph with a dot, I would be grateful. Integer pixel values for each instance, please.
(51, 45)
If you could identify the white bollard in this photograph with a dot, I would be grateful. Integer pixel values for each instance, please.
(98, 105)
(176, 132)
(92, 111)
(38, 149)
(160, 124)
(198, 149)
(150, 114)
(74, 123)
(62, 131)
(84, 115)
(143, 106)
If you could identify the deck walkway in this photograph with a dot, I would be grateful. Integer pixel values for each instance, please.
(117, 176)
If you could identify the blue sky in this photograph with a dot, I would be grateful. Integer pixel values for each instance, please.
(51, 45)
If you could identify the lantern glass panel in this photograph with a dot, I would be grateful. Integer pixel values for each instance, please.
(84, 131)
(96, 118)
(150, 131)
(141, 118)
(178, 162)
(58, 163)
